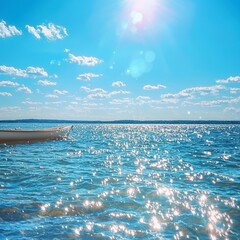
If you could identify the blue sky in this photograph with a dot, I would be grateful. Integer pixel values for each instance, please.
(121, 59)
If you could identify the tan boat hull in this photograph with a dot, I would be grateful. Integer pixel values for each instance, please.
(15, 136)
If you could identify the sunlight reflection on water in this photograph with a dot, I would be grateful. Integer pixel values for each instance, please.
(123, 182)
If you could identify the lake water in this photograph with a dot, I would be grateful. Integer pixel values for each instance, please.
(123, 182)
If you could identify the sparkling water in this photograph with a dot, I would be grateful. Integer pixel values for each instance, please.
(113, 181)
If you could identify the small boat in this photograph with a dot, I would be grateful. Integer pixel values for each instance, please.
(11, 136)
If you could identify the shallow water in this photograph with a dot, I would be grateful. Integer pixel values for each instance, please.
(123, 182)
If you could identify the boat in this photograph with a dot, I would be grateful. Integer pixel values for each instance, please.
(11, 136)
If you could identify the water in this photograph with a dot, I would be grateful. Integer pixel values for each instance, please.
(123, 182)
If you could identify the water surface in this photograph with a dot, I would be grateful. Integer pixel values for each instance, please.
(113, 181)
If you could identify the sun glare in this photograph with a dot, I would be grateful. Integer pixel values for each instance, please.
(142, 16)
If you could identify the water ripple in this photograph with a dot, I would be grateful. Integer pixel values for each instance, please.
(124, 182)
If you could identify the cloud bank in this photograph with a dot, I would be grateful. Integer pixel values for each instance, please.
(235, 79)
(5, 94)
(29, 72)
(152, 87)
(8, 84)
(24, 89)
(8, 30)
(83, 60)
(88, 76)
(118, 84)
(46, 83)
(49, 31)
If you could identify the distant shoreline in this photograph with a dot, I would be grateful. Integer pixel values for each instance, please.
(122, 121)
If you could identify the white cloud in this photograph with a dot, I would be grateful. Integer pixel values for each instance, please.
(152, 87)
(233, 100)
(118, 92)
(24, 89)
(140, 100)
(235, 79)
(31, 102)
(88, 76)
(143, 98)
(234, 90)
(50, 31)
(213, 103)
(33, 72)
(189, 92)
(51, 96)
(8, 84)
(101, 93)
(10, 109)
(97, 95)
(125, 101)
(5, 94)
(74, 103)
(211, 89)
(59, 92)
(203, 90)
(56, 93)
(55, 103)
(232, 109)
(170, 100)
(83, 60)
(8, 31)
(46, 83)
(167, 97)
(93, 90)
(12, 71)
(106, 94)
(118, 84)
(33, 31)
(91, 104)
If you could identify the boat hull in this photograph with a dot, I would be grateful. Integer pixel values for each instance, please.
(16, 136)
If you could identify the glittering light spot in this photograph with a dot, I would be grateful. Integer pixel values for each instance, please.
(202, 199)
(155, 224)
(77, 231)
(45, 206)
(95, 205)
(121, 215)
(131, 192)
(207, 153)
(176, 212)
(121, 228)
(89, 226)
(226, 157)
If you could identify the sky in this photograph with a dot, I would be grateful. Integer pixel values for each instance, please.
(120, 59)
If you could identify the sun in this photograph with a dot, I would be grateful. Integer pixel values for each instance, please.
(142, 16)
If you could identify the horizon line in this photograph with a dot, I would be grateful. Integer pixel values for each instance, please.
(28, 120)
